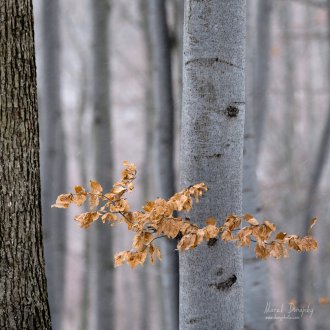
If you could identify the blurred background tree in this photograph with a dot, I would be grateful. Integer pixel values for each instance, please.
(287, 112)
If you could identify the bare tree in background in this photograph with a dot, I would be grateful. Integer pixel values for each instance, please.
(304, 266)
(256, 274)
(211, 278)
(148, 164)
(164, 148)
(102, 308)
(289, 106)
(52, 159)
(261, 70)
(23, 293)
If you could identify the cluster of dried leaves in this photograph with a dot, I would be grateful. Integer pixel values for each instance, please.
(157, 220)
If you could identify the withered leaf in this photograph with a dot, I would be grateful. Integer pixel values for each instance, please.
(63, 201)
(96, 187)
(251, 219)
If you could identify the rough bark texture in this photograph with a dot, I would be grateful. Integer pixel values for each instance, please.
(164, 130)
(23, 289)
(52, 159)
(211, 278)
(102, 286)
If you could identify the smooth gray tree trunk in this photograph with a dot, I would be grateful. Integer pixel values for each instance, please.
(147, 168)
(304, 264)
(177, 72)
(23, 288)
(52, 159)
(261, 69)
(211, 277)
(257, 291)
(289, 107)
(164, 148)
(102, 280)
(287, 157)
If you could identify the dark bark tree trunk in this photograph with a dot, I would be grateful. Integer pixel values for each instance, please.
(164, 148)
(52, 159)
(23, 288)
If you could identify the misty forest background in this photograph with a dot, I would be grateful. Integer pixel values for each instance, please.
(77, 43)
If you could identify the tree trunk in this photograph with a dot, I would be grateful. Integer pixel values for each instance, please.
(261, 73)
(256, 274)
(102, 286)
(148, 163)
(286, 159)
(23, 289)
(304, 268)
(289, 109)
(211, 278)
(52, 159)
(164, 130)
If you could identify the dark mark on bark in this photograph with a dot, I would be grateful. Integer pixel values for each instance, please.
(195, 320)
(220, 271)
(212, 60)
(215, 155)
(197, 157)
(232, 111)
(222, 286)
(211, 242)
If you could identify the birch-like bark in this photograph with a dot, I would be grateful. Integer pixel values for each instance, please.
(102, 308)
(23, 288)
(211, 278)
(164, 147)
(52, 159)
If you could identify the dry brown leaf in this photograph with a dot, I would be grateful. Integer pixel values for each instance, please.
(63, 201)
(243, 236)
(211, 231)
(232, 222)
(96, 187)
(261, 251)
(312, 224)
(227, 236)
(251, 219)
(119, 258)
(86, 219)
